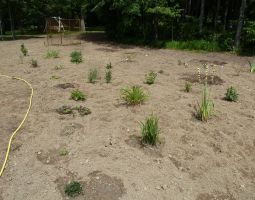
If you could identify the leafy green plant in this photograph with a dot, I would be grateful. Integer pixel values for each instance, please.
(83, 110)
(34, 63)
(77, 95)
(109, 66)
(63, 152)
(150, 130)
(150, 77)
(73, 189)
(133, 95)
(23, 50)
(76, 57)
(231, 94)
(188, 87)
(52, 54)
(206, 107)
(252, 67)
(92, 76)
(65, 110)
(108, 76)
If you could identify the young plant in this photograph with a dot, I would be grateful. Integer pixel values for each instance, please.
(150, 77)
(231, 94)
(109, 66)
(83, 110)
(52, 54)
(92, 76)
(133, 95)
(188, 87)
(55, 77)
(77, 95)
(252, 67)
(59, 67)
(205, 109)
(76, 57)
(73, 189)
(63, 152)
(23, 50)
(34, 63)
(65, 110)
(150, 130)
(108, 76)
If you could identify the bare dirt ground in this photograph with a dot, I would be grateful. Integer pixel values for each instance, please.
(196, 161)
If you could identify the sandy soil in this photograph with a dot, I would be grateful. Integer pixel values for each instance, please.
(196, 161)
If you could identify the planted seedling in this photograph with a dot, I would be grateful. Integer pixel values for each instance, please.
(133, 95)
(206, 107)
(108, 76)
(231, 94)
(65, 110)
(188, 87)
(252, 67)
(63, 152)
(34, 63)
(73, 189)
(77, 95)
(150, 130)
(92, 76)
(109, 66)
(150, 77)
(52, 54)
(76, 57)
(83, 110)
(23, 50)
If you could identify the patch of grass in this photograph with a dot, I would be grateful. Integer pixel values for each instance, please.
(150, 77)
(73, 189)
(231, 94)
(83, 110)
(133, 95)
(76, 57)
(252, 67)
(59, 67)
(64, 110)
(206, 107)
(77, 95)
(108, 76)
(52, 54)
(34, 63)
(188, 87)
(150, 130)
(108, 66)
(63, 152)
(92, 76)
(23, 50)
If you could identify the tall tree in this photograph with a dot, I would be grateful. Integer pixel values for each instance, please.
(201, 17)
(240, 24)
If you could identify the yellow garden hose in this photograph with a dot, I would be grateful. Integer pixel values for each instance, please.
(22, 122)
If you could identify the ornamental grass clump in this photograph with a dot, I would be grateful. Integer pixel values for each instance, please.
(133, 95)
(92, 76)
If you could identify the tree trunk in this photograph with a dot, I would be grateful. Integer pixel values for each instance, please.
(11, 20)
(201, 17)
(1, 29)
(189, 7)
(155, 28)
(225, 16)
(240, 24)
(217, 13)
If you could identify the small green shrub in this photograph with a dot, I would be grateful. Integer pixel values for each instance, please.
(188, 87)
(34, 63)
(150, 77)
(77, 95)
(52, 54)
(76, 57)
(231, 94)
(133, 95)
(252, 67)
(63, 152)
(205, 109)
(109, 66)
(73, 189)
(23, 50)
(150, 130)
(108, 76)
(92, 76)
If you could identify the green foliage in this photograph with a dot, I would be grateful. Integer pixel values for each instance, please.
(73, 189)
(133, 95)
(34, 63)
(23, 50)
(150, 130)
(188, 87)
(109, 66)
(92, 76)
(83, 110)
(231, 94)
(63, 152)
(52, 54)
(65, 110)
(77, 95)
(206, 107)
(108, 76)
(150, 77)
(252, 67)
(76, 57)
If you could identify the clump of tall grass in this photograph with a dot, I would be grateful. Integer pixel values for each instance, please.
(52, 54)
(150, 77)
(133, 95)
(206, 107)
(76, 57)
(150, 130)
(108, 76)
(23, 50)
(92, 75)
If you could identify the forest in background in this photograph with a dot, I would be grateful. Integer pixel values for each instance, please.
(211, 25)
